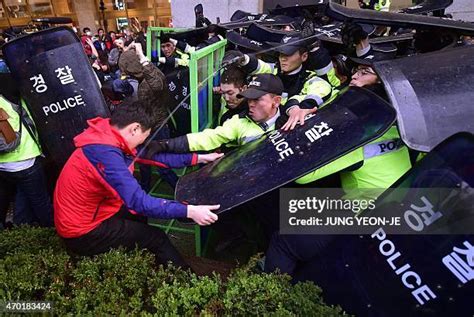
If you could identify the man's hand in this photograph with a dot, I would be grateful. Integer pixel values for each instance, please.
(89, 41)
(96, 65)
(352, 34)
(119, 44)
(296, 115)
(208, 158)
(139, 51)
(202, 214)
(173, 41)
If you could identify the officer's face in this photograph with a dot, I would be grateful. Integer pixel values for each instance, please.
(168, 49)
(289, 63)
(230, 92)
(263, 108)
(364, 76)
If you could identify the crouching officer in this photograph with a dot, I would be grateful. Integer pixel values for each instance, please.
(263, 95)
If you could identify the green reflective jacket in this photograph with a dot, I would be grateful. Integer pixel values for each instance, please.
(27, 147)
(384, 161)
(238, 130)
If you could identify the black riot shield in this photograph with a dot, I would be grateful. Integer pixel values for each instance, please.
(59, 86)
(246, 43)
(264, 19)
(427, 6)
(432, 94)
(355, 118)
(262, 33)
(300, 10)
(178, 87)
(193, 36)
(405, 275)
(341, 13)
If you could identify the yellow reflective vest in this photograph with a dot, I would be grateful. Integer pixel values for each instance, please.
(28, 148)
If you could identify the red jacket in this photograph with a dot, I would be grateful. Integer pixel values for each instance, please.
(97, 180)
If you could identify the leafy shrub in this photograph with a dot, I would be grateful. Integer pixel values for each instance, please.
(112, 283)
(33, 275)
(25, 239)
(181, 293)
(34, 266)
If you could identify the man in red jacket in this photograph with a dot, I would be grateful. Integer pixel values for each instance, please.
(96, 190)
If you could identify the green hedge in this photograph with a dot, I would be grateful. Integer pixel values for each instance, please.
(35, 266)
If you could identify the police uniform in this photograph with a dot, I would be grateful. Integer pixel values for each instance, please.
(320, 62)
(238, 130)
(376, 165)
(20, 168)
(302, 87)
(378, 5)
(227, 113)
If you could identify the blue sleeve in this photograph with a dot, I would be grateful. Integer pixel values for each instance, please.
(110, 163)
(170, 160)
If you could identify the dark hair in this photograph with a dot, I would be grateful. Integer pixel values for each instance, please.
(234, 75)
(84, 30)
(132, 111)
(213, 28)
(100, 30)
(303, 50)
(342, 65)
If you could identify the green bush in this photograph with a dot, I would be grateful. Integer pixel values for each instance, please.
(35, 266)
(25, 239)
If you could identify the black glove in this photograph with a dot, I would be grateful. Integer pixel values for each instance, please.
(232, 57)
(180, 45)
(155, 147)
(352, 34)
(175, 145)
(307, 25)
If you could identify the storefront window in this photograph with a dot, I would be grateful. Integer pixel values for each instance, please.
(62, 7)
(40, 7)
(3, 14)
(139, 4)
(17, 8)
(163, 13)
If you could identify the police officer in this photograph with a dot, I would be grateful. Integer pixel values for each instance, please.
(263, 95)
(304, 91)
(378, 5)
(172, 57)
(320, 62)
(364, 173)
(356, 40)
(20, 167)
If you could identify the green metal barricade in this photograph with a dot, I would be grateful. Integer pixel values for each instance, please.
(203, 63)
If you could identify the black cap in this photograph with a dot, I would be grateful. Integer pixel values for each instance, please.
(290, 44)
(362, 61)
(239, 40)
(370, 58)
(262, 84)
